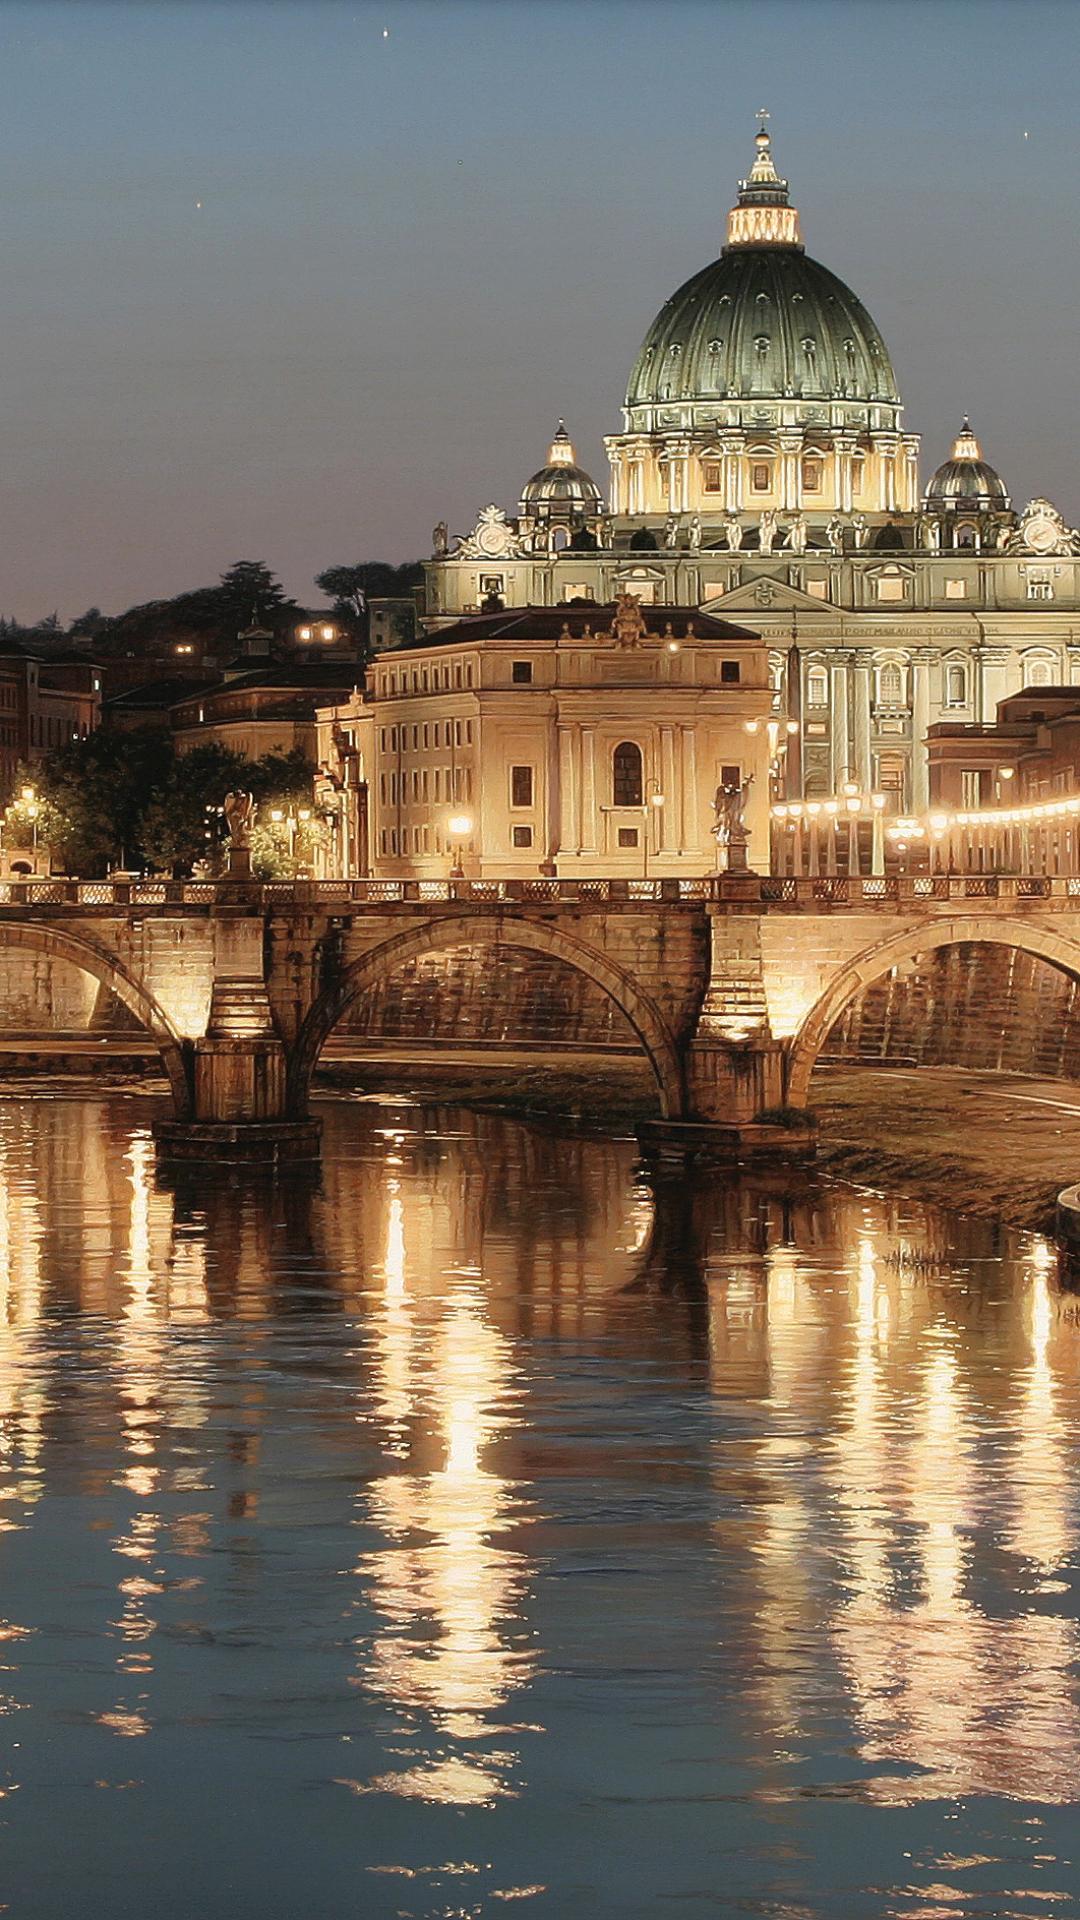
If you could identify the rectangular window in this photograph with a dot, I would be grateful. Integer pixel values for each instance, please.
(858, 473)
(521, 673)
(521, 836)
(712, 477)
(521, 786)
(425, 736)
(890, 586)
(731, 776)
(818, 589)
(729, 673)
(628, 836)
(973, 783)
(811, 476)
(956, 589)
(1039, 586)
(761, 476)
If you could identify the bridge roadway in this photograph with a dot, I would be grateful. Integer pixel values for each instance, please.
(731, 983)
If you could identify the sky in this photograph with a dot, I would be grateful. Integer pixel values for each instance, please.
(293, 281)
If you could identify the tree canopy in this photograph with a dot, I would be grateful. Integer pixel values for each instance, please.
(131, 798)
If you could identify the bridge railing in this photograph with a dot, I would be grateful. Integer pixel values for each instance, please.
(784, 891)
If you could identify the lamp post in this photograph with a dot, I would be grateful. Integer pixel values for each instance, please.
(30, 803)
(778, 732)
(877, 856)
(460, 827)
(653, 799)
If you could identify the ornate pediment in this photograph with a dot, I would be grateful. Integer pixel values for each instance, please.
(1042, 530)
(494, 537)
(769, 593)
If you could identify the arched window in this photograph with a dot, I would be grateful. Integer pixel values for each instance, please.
(627, 779)
(1036, 673)
(955, 686)
(817, 687)
(890, 684)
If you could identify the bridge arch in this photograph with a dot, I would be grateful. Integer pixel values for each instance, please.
(872, 962)
(48, 938)
(495, 929)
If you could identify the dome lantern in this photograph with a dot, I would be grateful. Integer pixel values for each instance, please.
(764, 216)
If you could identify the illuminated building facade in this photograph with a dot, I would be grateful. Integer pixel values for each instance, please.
(763, 473)
(574, 742)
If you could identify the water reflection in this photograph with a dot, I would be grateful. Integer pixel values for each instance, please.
(484, 1479)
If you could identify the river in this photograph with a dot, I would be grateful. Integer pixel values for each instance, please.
(475, 1529)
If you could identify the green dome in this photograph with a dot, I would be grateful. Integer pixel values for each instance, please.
(561, 490)
(966, 480)
(762, 323)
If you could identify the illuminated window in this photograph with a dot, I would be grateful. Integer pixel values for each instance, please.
(712, 477)
(627, 777)
(522, 836)
(955, 686)
(761, 476)
(811, 476)
(521, 673)
(890, 684)
(521, 786)
(956, 589)
(328, 633)
(305, 633)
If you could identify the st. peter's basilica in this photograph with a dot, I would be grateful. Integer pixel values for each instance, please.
(764, 474)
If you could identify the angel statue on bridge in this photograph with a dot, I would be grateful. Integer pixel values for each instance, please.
(239, 811)
(729, 826)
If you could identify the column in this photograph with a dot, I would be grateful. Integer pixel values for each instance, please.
(669, 820)
(690, 829)
(839, 750)
(589, 840)
(790, 477)
(887, 446)
(733, 445)
(568, 791)
(864, 773)
(845, 447)
(920, 720)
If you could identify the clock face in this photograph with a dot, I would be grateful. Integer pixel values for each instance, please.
(1041, 534)
(492, 540)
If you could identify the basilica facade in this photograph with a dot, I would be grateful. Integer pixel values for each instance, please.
(763, 474)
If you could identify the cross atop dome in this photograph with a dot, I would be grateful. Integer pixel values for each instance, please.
(764, 216)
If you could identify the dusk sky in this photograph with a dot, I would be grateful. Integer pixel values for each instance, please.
(295, 281)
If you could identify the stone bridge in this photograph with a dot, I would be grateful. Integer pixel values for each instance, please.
(731, 984)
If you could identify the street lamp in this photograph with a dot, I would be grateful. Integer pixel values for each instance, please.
(460, 827)
(654, 798)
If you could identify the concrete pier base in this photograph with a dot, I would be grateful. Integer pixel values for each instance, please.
(703, 1143)
(267, 1145)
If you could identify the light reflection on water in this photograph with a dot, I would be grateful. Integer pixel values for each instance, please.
(478, 1525)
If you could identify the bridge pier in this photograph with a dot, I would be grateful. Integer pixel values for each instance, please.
(239, 1113)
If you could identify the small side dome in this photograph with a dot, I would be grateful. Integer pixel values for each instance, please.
(966, 480)
(561, 490)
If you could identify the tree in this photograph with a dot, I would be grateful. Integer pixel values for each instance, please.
(101, 786)
(183, 811)
(351, 588)
(250, 593)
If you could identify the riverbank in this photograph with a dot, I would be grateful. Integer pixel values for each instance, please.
(987, 1143)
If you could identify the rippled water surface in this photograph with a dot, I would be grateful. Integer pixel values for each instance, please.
(478, 1529)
